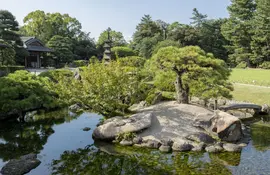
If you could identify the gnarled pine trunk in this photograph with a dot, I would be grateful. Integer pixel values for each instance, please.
(182, 93)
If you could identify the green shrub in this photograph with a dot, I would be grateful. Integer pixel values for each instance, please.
(265, 65)
(22, 91)
(120, 52)
(242, 65)
(93, 59)
(56, 74)
(80, 63)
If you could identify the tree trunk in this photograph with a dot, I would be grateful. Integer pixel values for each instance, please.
(181, 92)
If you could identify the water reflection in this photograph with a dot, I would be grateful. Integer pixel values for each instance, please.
(260, 134)
(127, 160)
(17, 139)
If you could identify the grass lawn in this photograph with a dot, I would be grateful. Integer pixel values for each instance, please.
(257, 95)
(259, 77)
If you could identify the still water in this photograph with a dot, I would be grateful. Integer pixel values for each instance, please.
(64, 148)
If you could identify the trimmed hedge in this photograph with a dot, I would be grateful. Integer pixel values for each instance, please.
(5, 70)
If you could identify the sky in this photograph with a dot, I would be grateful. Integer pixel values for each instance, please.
(121, 15)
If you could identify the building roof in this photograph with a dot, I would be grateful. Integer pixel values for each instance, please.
(28, 41)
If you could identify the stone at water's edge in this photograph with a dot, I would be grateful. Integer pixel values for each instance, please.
(21, 166)
(226, 126)
(232, 147)
(114, 126)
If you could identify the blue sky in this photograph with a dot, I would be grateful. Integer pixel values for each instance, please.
(120, 15)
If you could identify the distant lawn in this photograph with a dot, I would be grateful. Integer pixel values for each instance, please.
(257, 95)
(259, 77)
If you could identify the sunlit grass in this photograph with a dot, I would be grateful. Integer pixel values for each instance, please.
(259, 77)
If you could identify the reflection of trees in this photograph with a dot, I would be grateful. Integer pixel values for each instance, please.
(93, 161)
(260, 136)
(17, 139)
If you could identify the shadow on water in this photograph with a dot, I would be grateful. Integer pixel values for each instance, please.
(17, 139)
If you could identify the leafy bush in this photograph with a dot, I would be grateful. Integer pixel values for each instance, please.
(165, 43)
(22, 91)
(80, 63)
(93, 59)
(57, 74)
(165, 81)
(242, 65)
(265, 65)
(120, 52)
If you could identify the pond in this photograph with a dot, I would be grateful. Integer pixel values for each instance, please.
(64, 148)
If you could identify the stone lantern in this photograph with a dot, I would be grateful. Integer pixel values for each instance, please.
(107, 48)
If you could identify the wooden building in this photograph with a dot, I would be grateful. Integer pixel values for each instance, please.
(35, 48)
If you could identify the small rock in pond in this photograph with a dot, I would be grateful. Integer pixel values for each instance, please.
(167, 142)
(137, 140)
(165, 149)
(198, 147)
(153, 144)
(232, 147)
(213, 149)
(126, 143)
(86, 129)
(181, 146)
(21, 166)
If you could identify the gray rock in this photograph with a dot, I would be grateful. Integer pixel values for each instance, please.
(198, 147)
(232, 147)
(75, 107)
(110, 129)
(213, 149)
(242, 145)
(126, 143)
(137, 140)
(165, 149)
(227, 127)
(21, 166)
(167, 142)
(152, 144)
(86, 129)
(201, 137)
(265, 109)
(181, 145)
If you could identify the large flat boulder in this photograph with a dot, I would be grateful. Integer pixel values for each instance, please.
(21, 166)
(117, 125)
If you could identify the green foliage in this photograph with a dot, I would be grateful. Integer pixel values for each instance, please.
(117, 38)
(165, 43)
(108, 89)
(22, 91)
(238, 30)
(196, 72)
(165, 81)
(242, 65)
(79, 63)
(93, 59)
(125, 136)
(265, 65)
(46, 25)
(7, 55)
(120, 51)
(62, 49)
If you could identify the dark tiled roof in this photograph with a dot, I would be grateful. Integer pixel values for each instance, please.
(28, 40)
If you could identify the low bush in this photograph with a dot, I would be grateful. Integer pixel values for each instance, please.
(242, 65)
(120, 52)
(80, 63)
(265, 65)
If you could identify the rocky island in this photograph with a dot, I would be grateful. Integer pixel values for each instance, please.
(178, 127)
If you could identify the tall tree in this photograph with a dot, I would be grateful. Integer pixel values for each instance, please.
(198, 19)
(117, 38)
(62, 49)
(237, 30)
(148, 33)
(45, 26)
(261, 38)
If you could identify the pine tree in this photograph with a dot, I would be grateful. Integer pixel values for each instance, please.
(261, 39)
(238, 31)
